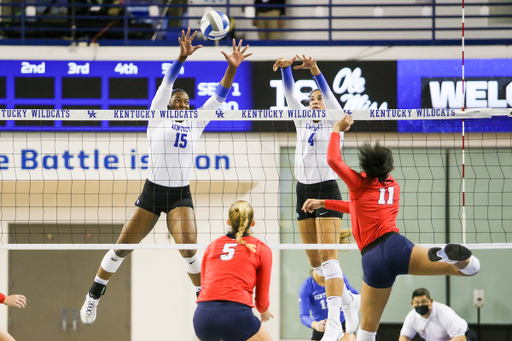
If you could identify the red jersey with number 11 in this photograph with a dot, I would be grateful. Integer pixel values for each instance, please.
(230, 271)
(373, 204)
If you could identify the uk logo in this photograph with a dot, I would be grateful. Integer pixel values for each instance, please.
(92, 113)
(348, 112)
(219, 114)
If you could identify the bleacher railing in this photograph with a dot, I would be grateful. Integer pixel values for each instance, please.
(426, 22)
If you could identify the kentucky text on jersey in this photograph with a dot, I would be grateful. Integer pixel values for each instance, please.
(178, 127)
(50, 113)
(262, 113)
(13, 113)
(313, 127)
(134, 113)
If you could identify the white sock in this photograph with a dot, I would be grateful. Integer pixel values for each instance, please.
(363, 335)
(197, 288)
(101, 280)
(347, 297)
(334, 307)
(319, 270)
(472, 268)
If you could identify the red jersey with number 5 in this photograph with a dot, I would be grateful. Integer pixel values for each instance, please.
(373, 204)
(230, 272)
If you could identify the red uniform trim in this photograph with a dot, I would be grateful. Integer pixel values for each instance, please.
(2, 298)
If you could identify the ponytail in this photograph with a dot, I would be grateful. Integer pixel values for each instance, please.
(241, 215)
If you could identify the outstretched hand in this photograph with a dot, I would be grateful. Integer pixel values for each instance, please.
(236, 58)
(307, 62)
(18, 301)
(283, 63)
(312, 204)
(186, 48)
(343, 124)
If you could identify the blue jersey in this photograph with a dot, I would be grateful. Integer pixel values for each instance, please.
(312, 299)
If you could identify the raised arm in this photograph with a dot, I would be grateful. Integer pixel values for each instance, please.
(234, 60)
(163, 94)
(351, 178)
(330, 100)
(288, 82)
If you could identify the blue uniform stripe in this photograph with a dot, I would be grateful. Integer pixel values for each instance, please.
(322, 84)
(172, 73)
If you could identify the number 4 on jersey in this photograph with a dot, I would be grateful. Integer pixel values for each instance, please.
(311, 141)
(382, 199)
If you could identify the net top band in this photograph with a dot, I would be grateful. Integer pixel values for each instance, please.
(247, 115)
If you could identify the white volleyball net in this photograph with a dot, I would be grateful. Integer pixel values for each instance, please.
(76, 189)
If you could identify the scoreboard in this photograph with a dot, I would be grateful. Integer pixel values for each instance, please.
(111, 85)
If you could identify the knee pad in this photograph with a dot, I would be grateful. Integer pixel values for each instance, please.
(111, 262)
(193, 264)
(472, 268)
(332, 269)
(319, 271)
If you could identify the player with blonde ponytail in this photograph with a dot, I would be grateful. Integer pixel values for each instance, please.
(233, 265)
(241, 215)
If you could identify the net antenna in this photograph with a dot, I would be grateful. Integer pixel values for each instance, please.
(463, 142)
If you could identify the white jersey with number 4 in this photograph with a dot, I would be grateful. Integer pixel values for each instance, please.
(312, 138)
(172, 144)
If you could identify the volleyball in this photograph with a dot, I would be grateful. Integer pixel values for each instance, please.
(215, 25)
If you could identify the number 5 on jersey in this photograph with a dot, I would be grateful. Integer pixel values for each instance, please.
(382, 199)
(229, 250)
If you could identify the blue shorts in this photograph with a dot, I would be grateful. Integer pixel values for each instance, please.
(225, 320)
(386, 259)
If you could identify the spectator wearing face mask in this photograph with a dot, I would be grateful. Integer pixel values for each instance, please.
(433, 321)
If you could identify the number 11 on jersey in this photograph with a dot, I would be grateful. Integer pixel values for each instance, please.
(382, 199)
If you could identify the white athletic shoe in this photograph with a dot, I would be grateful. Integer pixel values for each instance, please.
(88, 311)
(351, 312)
(333, 330)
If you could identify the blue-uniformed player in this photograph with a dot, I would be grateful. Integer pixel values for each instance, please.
(313, 306)
(316, 179)
(172, 145)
